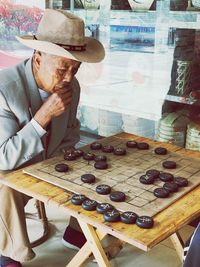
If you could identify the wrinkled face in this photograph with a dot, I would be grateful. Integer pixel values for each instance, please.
(53, 72)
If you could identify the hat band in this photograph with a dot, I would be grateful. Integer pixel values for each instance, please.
(69, 47)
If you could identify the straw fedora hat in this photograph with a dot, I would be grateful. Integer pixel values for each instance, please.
(62, 34)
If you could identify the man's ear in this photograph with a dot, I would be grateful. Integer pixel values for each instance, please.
(37, 59)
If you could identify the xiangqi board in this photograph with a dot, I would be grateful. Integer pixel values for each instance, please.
(122, 174)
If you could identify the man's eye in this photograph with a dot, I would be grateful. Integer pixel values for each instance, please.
(61, 72)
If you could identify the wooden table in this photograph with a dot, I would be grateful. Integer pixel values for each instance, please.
(167, 222)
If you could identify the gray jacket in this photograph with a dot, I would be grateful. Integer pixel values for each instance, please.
(20, 144)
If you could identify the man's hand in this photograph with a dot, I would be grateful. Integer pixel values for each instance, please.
(56, 104)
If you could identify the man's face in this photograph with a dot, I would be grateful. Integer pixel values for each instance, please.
(54, 72)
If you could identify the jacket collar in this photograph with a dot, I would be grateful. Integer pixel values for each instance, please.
(35, 101)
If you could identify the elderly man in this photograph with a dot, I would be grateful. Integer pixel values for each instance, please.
(39, 100)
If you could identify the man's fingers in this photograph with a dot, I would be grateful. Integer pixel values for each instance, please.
(62, 88)
(62, 99)
(67, 97)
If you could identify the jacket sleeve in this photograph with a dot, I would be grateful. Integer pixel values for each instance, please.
(17, 145)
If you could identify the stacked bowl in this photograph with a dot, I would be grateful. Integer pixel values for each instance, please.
(172, 128)
(193, 136)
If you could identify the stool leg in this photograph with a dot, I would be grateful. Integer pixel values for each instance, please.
(41, 214)
(41, 210)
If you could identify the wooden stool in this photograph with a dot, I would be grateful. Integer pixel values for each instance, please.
(40, 216)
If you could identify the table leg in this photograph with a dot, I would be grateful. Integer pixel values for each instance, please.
(84, 253)
(95, 244)
(178, 244)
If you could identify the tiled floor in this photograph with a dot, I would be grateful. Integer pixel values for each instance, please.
(52, 253)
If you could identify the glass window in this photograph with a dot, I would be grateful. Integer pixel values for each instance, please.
(152, 55)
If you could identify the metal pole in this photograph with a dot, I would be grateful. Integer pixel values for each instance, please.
(72, 6)
(49, 4)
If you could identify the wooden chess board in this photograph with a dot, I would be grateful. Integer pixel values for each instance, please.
(122, 175)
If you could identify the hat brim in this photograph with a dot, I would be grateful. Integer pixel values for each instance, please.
(94, 49)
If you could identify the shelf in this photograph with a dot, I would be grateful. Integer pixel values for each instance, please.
(132, 83)
(174, 19)
(181, 99)
(123, 110)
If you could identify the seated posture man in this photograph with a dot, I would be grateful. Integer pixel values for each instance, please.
(38, 105)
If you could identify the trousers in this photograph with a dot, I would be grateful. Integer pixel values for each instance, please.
(14, 240)
(192, 250)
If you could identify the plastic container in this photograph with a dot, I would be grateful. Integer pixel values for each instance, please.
(109, 123)
(138, 126)
(88, 117)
